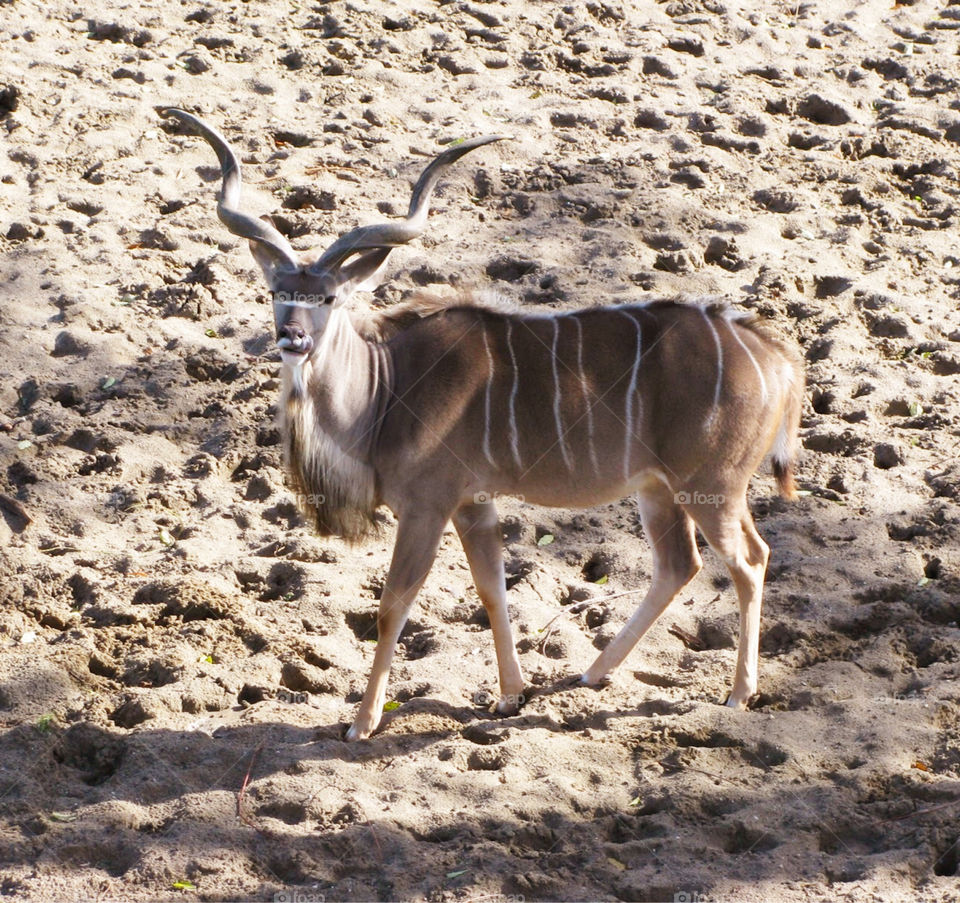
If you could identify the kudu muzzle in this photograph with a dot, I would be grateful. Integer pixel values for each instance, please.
(299, 323)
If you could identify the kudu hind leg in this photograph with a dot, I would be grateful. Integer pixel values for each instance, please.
(733, 536)
(417, 540)
(479, 530)
(676, 561)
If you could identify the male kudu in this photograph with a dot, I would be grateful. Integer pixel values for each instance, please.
(450, 406)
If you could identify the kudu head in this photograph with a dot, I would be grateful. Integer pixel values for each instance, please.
(304, 293)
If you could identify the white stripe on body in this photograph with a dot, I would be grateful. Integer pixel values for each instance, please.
(753, 360)
(486, 403)
(558, 420)
(584, 385)
(514, 436)
(631, 391)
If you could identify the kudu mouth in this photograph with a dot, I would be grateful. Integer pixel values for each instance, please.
(294, 343)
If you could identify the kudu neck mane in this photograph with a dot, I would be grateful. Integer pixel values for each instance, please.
(379, 326)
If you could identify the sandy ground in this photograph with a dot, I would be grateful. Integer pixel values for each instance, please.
(179, 656)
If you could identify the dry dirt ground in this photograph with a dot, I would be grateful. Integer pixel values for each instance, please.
(179, 656)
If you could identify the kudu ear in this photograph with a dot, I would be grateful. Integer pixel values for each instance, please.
(363, 274)
(270, 263)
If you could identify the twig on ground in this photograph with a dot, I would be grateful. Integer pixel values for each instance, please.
(690, 640)
(243, 790)
(917, 812)
(578, 607)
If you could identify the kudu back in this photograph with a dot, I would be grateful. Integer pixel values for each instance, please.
(452, 406)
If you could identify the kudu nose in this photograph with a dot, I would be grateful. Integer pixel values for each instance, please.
(292, 337)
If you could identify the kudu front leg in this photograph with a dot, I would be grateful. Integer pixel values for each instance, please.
(418, 537)
(479, 531)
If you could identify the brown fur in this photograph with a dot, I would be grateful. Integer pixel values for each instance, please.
(353, 519)
(383, 325)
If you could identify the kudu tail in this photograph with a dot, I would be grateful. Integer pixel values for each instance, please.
(784, 451)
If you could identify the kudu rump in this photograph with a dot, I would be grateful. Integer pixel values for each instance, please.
(449, 406)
